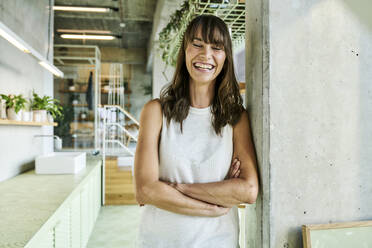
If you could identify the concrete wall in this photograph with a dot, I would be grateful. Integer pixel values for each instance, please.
(239, 63)
(319, 114)
(20, 74)
(161, 74)
(257, 103)
(138, 98)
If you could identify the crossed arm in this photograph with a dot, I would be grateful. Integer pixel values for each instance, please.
(234, 190)
(210, 199)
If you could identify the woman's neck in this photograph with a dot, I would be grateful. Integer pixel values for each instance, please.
(201, 95)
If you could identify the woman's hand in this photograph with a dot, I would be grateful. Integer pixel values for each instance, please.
(218, 211)
(214, 211)
(234, 170)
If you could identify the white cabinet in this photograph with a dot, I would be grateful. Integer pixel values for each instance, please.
(62, 230)
(47, 241)
(73, 222)
(84, 214)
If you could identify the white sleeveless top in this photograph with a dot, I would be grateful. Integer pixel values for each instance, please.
(197, 155)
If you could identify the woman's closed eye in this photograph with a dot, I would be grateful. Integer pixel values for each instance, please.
(196, 45)
(217, 47)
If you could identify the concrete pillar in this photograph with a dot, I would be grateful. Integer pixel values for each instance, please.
(309, 97)
(161, 75)
(257, 99)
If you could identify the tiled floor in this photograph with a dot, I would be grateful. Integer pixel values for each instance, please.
(116, 227)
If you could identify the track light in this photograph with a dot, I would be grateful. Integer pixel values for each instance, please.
(87, 37)
(15, 40)
(51, 68)
(83, 31)
(82, 9)
(8, 34)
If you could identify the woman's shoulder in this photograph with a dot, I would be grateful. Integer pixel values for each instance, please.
(152, 109)
(153, 105)
(242, 120)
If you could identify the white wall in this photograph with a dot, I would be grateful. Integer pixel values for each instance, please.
(318, 76)
(20, 74)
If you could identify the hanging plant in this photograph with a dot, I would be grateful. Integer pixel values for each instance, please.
(170, 37)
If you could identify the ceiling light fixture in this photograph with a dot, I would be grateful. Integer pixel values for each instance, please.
(82, 9)
(8, 34)
(15, 40)
(51, 68)
(83, 31)
(87, 37)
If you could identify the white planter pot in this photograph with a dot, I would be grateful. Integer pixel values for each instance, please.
(2, 109)
(27, 116)
(50, 118)
(12, 115)
(40, 115)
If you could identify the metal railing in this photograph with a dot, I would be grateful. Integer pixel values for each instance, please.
(116, 138)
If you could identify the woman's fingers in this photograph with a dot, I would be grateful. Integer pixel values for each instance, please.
(232, 167)
(223, 210)
(236, 175)
(219, 211)
(236, 169)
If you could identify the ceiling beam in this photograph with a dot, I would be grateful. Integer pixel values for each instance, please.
(121, 55)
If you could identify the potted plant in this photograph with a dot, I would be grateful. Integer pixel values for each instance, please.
(43, 105)
(54, 110)
(15, 105)
(63, 128)
(27, 112)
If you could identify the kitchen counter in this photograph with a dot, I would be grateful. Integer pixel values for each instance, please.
(29, 200)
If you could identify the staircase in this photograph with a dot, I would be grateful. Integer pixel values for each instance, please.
(119, 183)
(118, 143)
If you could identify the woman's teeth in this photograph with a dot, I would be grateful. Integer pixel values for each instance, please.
(204, 66)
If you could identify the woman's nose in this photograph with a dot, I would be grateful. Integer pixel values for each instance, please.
(207, 51)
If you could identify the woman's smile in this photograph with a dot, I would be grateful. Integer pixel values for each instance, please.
(204, 61)
(203, 66)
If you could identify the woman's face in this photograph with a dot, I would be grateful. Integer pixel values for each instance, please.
(204, 61)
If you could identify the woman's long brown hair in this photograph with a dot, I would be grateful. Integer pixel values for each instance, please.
(227, 103)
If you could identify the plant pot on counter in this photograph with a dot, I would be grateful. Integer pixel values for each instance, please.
(40, 115)
(2, 109)
(12, 115)
(27, 116)
(50, 118)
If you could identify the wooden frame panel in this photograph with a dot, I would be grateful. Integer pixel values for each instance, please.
(306, 229)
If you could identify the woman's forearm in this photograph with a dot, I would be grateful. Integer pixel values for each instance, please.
(168, 198)
(226, 193)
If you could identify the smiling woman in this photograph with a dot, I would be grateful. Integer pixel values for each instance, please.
(195, 159)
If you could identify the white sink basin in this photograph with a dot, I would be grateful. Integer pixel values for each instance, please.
(60, 163)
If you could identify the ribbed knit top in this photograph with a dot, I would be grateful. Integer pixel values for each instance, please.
(198, 155)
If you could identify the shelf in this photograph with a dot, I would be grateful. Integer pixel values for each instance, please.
(85, 91)
(80, 105)
(72, 91)
(26, 123)
(106, 91)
